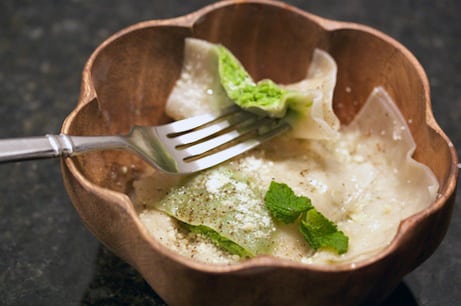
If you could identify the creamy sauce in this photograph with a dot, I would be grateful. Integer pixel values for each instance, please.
(351, 180)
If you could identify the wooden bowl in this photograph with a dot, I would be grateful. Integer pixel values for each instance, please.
(126, 82)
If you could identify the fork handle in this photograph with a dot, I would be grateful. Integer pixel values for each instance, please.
(49, 146)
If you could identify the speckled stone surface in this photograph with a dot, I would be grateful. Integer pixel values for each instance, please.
(47, 256)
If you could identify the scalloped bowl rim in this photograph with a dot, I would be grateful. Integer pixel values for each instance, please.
(260, 262)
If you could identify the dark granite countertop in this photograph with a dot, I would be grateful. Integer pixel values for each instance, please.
(47, 256)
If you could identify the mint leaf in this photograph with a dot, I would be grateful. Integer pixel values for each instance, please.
(219, 240)
(283, 204)
(322, 233)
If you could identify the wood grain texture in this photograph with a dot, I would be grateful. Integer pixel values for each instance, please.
(126, 82)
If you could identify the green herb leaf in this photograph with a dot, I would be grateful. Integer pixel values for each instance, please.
(219, 240)
(283, 204)
(322, 233)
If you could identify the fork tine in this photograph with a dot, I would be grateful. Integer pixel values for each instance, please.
(232, 151)
(188, 124)
(214, 128)
(213, 143)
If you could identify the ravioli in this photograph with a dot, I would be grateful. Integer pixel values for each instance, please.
(225, 201)
(199, 90)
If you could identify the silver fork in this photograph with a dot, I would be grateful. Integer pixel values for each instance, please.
(183, 146)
